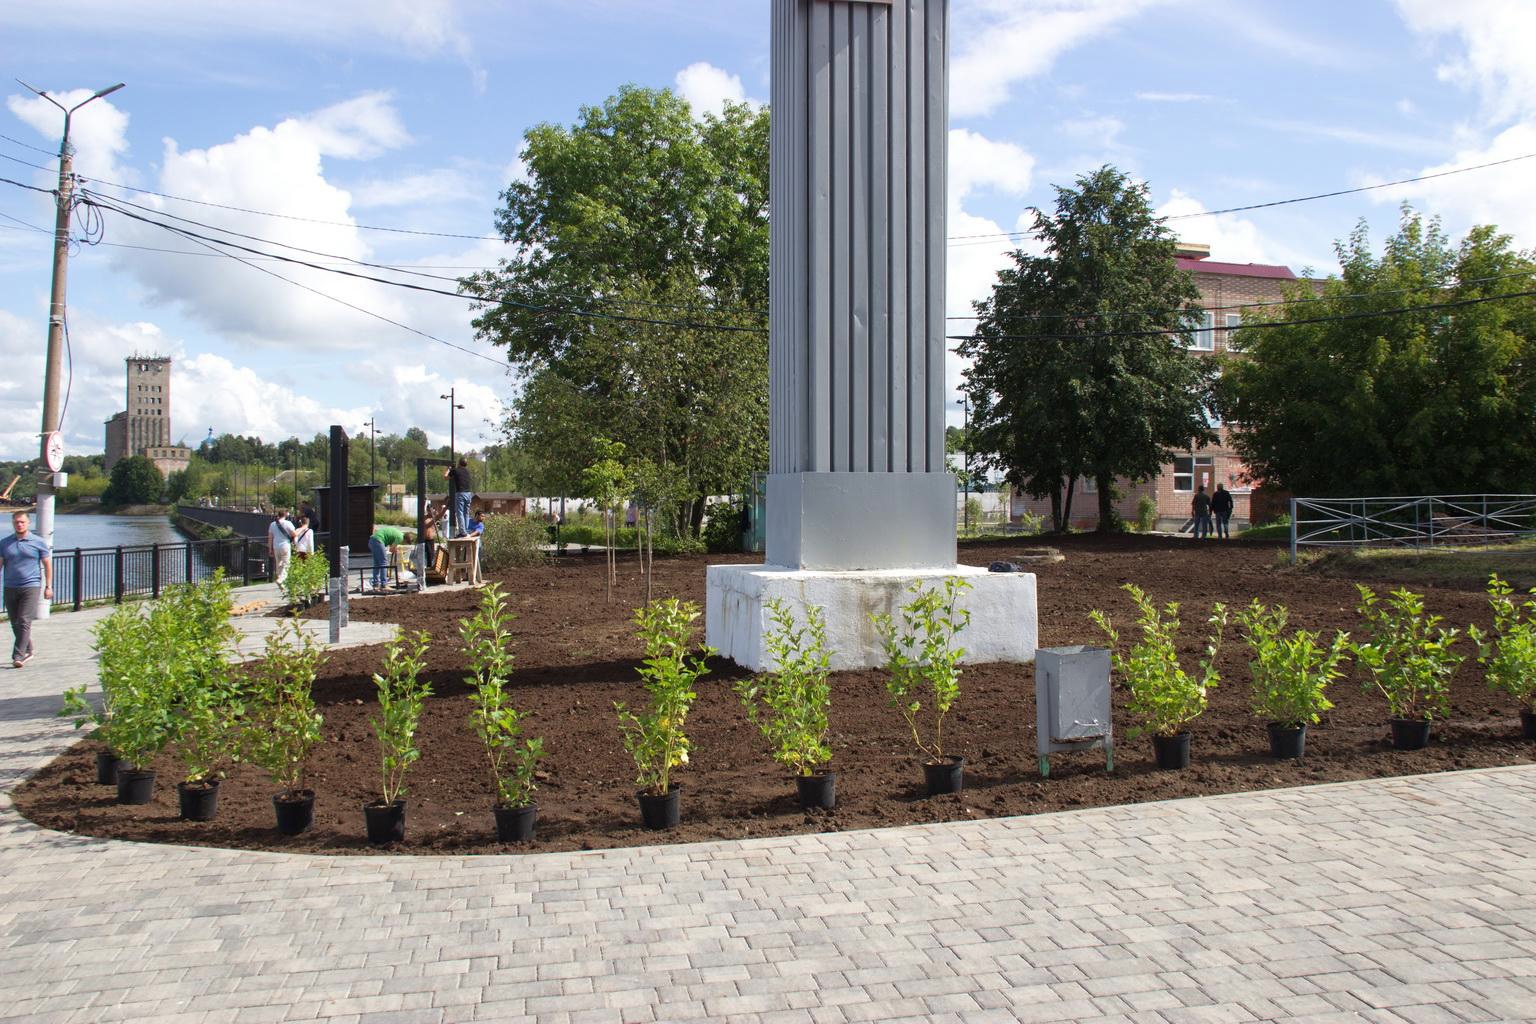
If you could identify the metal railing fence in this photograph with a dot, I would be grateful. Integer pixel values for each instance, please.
(83, 576)
(1417, 521)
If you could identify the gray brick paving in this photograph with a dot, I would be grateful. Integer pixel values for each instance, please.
(1402, 900)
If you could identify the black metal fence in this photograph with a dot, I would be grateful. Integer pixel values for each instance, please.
(1415, 521)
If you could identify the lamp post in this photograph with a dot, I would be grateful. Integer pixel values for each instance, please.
(373, 448)
(55, 358)
(450, 398)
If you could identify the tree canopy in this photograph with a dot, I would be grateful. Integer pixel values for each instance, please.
(135, 481)
(633, 303)
(1074, 372)
(1435, 401)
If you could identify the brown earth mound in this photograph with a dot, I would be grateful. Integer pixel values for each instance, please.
(576, 655)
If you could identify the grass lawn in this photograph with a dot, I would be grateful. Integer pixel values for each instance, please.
(1460, 568)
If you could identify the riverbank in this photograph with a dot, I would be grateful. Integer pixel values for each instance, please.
(95, 509)
(200, 531)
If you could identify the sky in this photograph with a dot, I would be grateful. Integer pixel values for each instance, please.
(326, 122)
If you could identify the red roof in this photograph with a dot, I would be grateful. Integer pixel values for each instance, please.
(1234, 269)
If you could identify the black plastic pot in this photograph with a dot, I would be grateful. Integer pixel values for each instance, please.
(1528, 725)
(1410, 733)
(1172, 752)
(660, 812)
(515, 824)
(134, 787)
(817, 791)
(946, 776)
(386, 822)
(1287, 741)
(199, 800)
(106, 768)
(296, 814)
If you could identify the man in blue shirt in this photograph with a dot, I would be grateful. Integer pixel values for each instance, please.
(28, 569)
(476, 525)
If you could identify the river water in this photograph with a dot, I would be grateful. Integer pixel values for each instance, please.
(110, 531)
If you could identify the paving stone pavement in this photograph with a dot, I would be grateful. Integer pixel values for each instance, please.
(1402, 900)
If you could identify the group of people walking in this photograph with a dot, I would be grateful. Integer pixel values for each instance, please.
(1208, 507)
(291, 533)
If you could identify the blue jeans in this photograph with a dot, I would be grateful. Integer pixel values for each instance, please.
(380, 560)
(1223, 531)
(1202, 526)
(461, 513)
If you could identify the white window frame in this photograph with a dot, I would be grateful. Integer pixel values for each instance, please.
(1203, 332)
(1196, 463)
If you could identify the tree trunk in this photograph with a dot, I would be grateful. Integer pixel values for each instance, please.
(1066, 506)
(1056, 520)
(1106, 504)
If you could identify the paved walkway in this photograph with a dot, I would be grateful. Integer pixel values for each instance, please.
(1406, 900)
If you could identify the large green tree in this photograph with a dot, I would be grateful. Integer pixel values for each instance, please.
(1439, 400)
(135, 481)
(1080, 366)
(633, 300)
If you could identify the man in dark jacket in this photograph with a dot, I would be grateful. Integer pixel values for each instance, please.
(1200, 509)
(1221, 506)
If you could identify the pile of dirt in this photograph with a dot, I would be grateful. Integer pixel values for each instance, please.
(576, 654)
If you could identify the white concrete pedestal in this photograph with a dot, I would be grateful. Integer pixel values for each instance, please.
(1004, 624)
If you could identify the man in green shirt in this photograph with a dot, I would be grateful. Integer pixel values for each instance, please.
(384, 537)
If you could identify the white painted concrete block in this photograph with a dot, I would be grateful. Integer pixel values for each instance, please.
(1004, 622)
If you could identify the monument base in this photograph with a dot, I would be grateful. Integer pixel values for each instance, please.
(1004, 625)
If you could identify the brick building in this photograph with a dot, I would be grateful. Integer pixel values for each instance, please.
(1222, 286)
(144, 428)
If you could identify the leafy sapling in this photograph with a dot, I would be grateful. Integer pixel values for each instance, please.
(1164, 697)
(922, 660)
(654, 736)
(1509, 652)
(1291, 672)
(1407, 654)
(282, 724)
(789, 704)
(512, 758)
(402, 694)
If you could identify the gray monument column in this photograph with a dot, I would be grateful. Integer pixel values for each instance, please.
(857, 261)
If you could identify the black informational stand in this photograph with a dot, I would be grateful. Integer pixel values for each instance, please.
(335, 503)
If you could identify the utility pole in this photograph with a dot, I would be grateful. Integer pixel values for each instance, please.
(55, 363)
(965, 439)
(450, 398)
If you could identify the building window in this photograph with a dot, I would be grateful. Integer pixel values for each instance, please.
(1186, 467)
(1090, 485)
(1202, 327)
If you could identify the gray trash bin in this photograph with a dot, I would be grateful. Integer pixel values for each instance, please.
(1072, 703)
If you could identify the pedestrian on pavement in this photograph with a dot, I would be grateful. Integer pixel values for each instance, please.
(1221, 508)
(460, 489)
(28, 570)
(279, 545)
(303, 538)
(1200, 508)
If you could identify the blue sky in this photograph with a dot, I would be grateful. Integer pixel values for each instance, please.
(410, 115)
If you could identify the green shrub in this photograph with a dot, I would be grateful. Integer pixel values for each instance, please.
(282, 724)
(307, 577)
(1146, 514)
(194, 623)
(402, 694)
(722, 529)
(1290, 673)
(1163, 696)
(512, 542)
(1509, 653)
(795, 697)
(655, 737)
(921, 657)
(496, 722)
(1408, 654)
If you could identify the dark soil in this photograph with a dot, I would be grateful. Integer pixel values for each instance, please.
(576, 655)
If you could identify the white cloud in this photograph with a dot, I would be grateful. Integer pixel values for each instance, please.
(98, 131)
(977, 162)
(707, 88)
(1234, 239)
(1008, 41)
(1102, 133)
(1496, 60)
(1174, 97)
(444, 185)
(1497, 195)
(208, 390)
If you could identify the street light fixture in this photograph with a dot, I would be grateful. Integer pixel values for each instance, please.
(54, 365)
(452, 405)
(373, 449)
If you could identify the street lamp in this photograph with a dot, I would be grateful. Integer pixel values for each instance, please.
(54, 366)
(452, 405)
(373, 449)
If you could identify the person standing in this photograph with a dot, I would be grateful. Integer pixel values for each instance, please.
(384, 537)
(1221, 507)
(28, 570)
(1200, 508)
(304, 538)
(460, 486)
(279, 545)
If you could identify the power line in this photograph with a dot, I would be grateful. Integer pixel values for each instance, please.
(107, 204)
(25, 224)
(30, 188)
(28, 145)
(1258, 325)
(25, 163)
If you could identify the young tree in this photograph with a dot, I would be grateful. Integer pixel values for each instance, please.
(638, 213)
(1074, 370)
(1436, 401)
